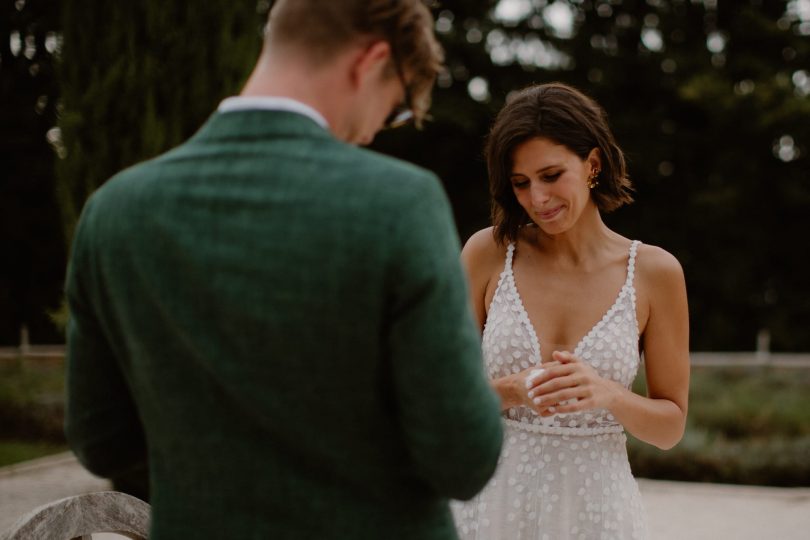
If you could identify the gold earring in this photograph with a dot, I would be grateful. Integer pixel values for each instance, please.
(592, 180)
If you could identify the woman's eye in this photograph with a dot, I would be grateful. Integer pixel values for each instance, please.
(551, 177)
(517, 184)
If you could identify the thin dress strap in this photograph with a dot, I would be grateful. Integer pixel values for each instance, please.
(631, 262)
(631, 272)
(510, 251)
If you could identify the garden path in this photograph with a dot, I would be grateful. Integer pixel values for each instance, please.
(677, 510)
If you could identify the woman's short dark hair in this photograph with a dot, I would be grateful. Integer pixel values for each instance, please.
(566, 116)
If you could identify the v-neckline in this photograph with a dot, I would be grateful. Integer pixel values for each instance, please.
(524, 314)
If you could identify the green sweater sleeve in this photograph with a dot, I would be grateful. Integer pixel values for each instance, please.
(449, 414)
(101, 420)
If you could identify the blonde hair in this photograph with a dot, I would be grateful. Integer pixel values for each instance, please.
(322, 28)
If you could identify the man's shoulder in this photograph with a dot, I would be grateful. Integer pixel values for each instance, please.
(393, 165)
(122, 181)
(123, 191)
(391, 176)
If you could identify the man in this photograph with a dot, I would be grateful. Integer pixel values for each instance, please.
(277, 319)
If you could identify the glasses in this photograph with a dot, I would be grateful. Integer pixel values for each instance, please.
(402, 113)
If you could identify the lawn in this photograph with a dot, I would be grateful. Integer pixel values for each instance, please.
(31, 409)
(17, 451)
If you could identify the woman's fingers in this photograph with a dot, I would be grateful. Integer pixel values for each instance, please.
(557, 399)
(551, 373)
(562, 378)
(547, 392)
(533, 377)
(564, 357)
(564, 385)
(563, 363)
(558, 386)
(577, 405)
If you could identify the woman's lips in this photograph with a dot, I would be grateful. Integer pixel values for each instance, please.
(549, 214)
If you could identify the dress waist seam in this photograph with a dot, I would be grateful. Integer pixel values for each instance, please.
(559, 430)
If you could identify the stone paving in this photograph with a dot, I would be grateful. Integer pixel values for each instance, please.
(676, 510)
(28, 485)
(691, 511)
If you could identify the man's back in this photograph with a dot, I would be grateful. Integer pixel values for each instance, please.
(289, 315)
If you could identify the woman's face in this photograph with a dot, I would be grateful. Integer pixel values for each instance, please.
(551, 183)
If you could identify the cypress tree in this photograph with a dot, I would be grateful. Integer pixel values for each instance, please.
(140, 77)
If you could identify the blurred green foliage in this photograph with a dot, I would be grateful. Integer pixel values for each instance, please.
(138, 78)
(752, 402)
(31, 403)
(17, 451)
(745, 426)
(711, 101)
(779, 461)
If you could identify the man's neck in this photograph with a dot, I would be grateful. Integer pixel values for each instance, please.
(314, 88)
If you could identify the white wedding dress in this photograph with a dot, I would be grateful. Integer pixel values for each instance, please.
(566, 476)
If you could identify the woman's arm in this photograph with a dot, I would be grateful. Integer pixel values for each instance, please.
(480, 259)
(483, 260)
(660, 417)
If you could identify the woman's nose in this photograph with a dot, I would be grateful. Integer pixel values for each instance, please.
(540, 194)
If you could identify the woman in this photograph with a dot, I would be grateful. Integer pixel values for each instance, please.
(566, 305)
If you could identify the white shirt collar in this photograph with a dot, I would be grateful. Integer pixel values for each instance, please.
(271, 103)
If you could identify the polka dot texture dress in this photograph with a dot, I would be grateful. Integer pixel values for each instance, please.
(566, 476)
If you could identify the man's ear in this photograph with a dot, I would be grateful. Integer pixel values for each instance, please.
(369, 63)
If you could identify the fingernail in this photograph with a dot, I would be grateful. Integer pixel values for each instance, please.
(537, 400)
(531, 393)
(552, 409)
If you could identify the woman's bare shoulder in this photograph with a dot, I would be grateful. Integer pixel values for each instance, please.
(658, 267)
(483, 244)
(482, 249)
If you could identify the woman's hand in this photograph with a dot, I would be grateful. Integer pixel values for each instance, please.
(513, 389)
(570, 385)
